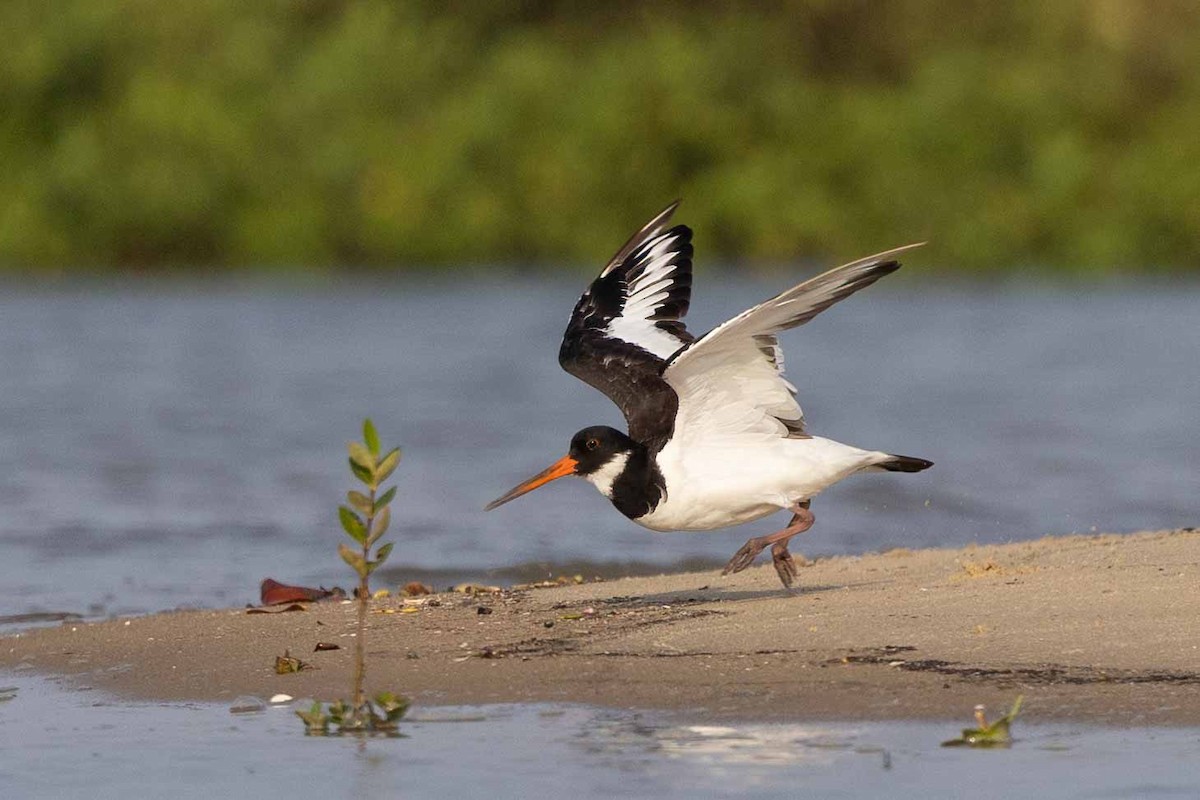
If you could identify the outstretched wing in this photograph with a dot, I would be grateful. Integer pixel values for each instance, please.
(730, 381)
(629, 322)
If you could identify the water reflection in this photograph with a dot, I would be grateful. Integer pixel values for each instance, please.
(76, 744)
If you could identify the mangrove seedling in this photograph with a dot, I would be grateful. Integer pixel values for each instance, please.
(364, 519)
(995, 734)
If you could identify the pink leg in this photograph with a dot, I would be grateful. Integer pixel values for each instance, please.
(784, 565)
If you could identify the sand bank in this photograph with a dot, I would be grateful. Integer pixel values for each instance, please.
(1100, 628)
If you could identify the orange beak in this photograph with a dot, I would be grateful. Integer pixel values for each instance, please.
(564, 466)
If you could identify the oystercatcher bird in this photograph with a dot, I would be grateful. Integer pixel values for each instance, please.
(716, 437)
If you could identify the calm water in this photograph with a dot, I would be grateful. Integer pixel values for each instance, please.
(62, 744)
(173, 445)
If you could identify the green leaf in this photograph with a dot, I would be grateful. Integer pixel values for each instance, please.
(994, 735)
(361, 456)
(361, 503)
(363, 474)
(353, 558)
(316, 721)
(353, 524)
(387, 464)
(370, 437)
(380, 525)
(383, 499)
(392, 705)
(383, 552)
(338, 711)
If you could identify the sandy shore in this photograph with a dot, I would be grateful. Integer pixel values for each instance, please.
(1098, 628)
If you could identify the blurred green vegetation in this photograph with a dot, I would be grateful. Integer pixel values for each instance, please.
(328, 133)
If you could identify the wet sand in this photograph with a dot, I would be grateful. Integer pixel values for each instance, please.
(1096, 628)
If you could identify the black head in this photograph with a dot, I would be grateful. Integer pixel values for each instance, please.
(595, 447)
(592, 449)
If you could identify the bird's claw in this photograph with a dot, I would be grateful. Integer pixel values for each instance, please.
(785, 565)
(744, 557)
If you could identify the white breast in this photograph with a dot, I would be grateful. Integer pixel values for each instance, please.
(719, 486)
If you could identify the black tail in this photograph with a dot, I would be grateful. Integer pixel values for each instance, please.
(905, 464)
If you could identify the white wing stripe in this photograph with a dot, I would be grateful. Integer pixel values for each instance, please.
(645, 335)
(647, 293)
(656, 288)
(657, 247)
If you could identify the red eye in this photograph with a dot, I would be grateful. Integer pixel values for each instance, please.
(592, 444)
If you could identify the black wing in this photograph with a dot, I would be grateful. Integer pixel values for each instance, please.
(629, 322)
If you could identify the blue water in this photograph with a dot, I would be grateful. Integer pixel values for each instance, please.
(166, 445)
(63, 744)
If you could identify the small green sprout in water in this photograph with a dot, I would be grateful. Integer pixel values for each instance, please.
(365, 519)
(994, 735)
(381, 716)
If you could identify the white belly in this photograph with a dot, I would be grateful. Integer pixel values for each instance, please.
(718, 486)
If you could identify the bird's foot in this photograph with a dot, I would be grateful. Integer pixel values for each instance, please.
(745, 557)
(785, 565)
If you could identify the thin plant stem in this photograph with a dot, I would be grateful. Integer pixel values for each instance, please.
(364, 592)
(359, 716)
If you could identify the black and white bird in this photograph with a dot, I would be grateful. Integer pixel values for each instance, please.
(716, 437)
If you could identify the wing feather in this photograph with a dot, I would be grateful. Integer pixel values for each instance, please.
(630, 321)
(730, 381)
